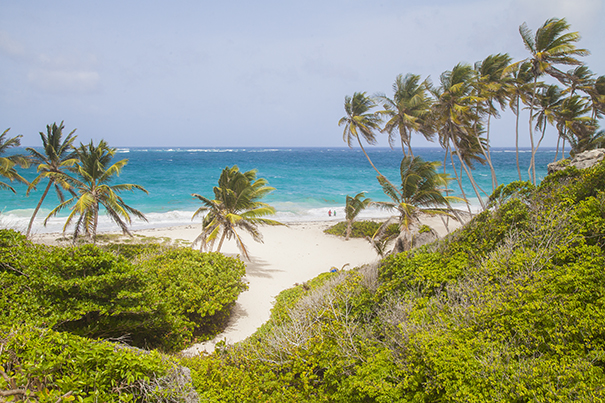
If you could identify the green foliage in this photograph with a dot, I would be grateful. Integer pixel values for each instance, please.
(48, 366)
(361, 229)
(508, 308)
(145, 295)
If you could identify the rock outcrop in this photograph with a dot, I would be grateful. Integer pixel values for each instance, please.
(581, 161)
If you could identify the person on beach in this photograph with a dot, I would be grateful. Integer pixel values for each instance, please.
(329, 213)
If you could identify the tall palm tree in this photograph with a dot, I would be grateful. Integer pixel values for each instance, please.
(549, 99)
(353, 206)
(8, 163)
(57, 155)
(91, 183)
(408, 111)
(421, 192)
(236, 205)
(519, 88)
(455, 121)
(549, 46)
(490, 89)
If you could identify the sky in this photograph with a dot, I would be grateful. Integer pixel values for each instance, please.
(185, 73)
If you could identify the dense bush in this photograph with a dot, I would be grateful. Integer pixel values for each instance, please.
(361, 229)
(157, 298)
(509, 308)
(47, 366)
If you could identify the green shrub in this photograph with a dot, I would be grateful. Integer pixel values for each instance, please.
(361, 229)
(48, 366)
(169, 296)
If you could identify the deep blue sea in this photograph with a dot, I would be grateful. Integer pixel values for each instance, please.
(308, 182)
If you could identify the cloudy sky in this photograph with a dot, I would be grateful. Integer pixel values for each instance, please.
(267, 73)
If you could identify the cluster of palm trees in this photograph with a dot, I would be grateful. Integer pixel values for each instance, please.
(80, 175)
(458, 111)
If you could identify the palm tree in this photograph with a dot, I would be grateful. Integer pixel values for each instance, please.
(575, 125)
(359, 122)
(7, 164)
(236, 205)
(519, 90)
(408, 111)
(455, 122)
(94, 172)
(550, 45)
(353, 206)
(421, 192)
(548, 103)
(57, 155)
(490, 87)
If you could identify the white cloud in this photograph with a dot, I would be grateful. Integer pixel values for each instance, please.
(64, 81)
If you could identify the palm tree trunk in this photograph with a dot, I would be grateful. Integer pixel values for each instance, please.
(557, 152)
(471, 178)
(31, 221)
(489, 156)
(517, 137)
(376, 169)
(532, 163)
(220, 244)
(95, 224)
(458, 179)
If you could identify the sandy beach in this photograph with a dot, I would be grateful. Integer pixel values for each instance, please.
(290, 255)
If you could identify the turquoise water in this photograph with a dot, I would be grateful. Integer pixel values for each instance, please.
(308, 181)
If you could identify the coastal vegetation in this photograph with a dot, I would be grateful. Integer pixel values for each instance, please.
(507, 308)
(68, 315)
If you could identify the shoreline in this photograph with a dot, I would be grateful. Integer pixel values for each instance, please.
(291, 254)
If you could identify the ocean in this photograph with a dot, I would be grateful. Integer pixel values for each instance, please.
(308, 182)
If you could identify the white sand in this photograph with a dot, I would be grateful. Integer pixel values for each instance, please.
(289, 255)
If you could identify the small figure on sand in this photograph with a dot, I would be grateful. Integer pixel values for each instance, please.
(329, 213)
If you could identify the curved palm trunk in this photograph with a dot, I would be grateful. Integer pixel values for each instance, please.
(470, 178)
(459, 180)
(376, 169)
(31, 221)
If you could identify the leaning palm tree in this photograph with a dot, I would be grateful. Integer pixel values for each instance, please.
(57, 155)
(421, 192)
(575, 124)
(548, 103)
(8, 163)
(360, 122)
(353, 206)
(236, 205)
(455, 122)
(549, 46)
(91, 183)
(490, 88)
(408, 111)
